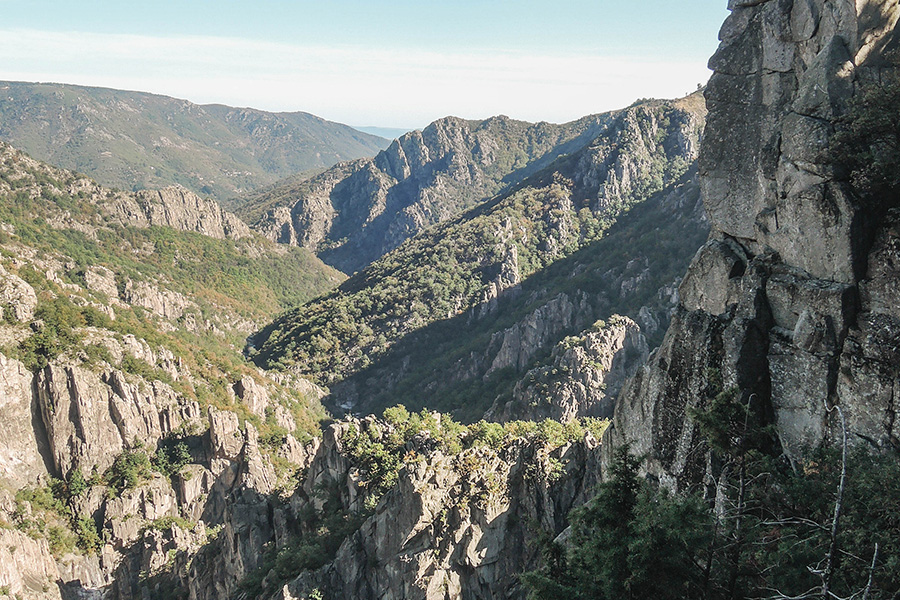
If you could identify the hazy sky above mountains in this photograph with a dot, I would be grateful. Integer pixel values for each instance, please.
(401, 63)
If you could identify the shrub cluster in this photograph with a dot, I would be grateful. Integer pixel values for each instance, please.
(768, 535)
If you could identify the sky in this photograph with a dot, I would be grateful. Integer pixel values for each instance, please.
(398, 63)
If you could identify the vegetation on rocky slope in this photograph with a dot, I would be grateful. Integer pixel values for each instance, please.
(377, 450)
(625, 271)
(122, 342)
(201, 297)
(355, 212)
(466, 263)
(53, 211)
(437, 275)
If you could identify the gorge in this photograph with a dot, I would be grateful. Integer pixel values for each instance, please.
(704, 284)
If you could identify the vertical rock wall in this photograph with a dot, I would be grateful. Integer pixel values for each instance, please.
(793, 299)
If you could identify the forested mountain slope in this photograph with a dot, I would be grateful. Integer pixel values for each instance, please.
(134, 140)
(122, 378)
(142, 456)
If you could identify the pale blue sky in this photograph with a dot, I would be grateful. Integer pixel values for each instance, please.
(402, 63)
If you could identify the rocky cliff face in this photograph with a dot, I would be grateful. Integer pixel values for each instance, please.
(67, 418)
(131, 420)
(356, 212)
(446, 529)
(179, 209)
(173, 207)
(791, 302)
(583, 378)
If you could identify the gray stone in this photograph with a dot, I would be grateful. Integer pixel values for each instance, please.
(75, 406)
(713, 279)
(812, 321)
(800, 390)
(179, 209)
(21, 463)
(101, 280)
(226, 438)
(27, 568)
(826, 86)
(583, 378)
(253, 395)
(16, 296)
(804, 20)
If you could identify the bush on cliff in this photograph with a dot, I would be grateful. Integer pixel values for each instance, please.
(867, 141)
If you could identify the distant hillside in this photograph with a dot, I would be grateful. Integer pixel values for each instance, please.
(122, 321)
(356, 211)
(433, 304)
(133, 140)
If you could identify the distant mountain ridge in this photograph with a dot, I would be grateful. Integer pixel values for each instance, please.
(136, 140)
(357, 211)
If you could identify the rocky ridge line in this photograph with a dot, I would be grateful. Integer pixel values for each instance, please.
(356, 212)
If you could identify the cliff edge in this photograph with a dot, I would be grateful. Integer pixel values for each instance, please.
(792, 301)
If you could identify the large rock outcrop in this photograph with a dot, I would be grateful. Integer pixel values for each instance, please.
(27, 570)
(179, 209)
(582, 378)
(446, 529)
(91, 417)
(21, 462)
(793, 300)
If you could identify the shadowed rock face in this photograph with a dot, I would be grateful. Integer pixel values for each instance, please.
(787, 302)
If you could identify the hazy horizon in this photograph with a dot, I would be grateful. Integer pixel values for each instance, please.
(396, 65)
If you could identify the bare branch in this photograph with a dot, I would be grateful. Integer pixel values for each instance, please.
(811, 593)
(871, 573)
(796, 521)
(838, 504)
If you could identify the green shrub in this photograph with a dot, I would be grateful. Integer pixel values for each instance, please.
(61, 540)
(143, 369)
(771, 529)
(88, 539)
(867, 141)
(49, 497)
(487, 433)
(77, 484)
(171, 456)
(164, 523)
(629, 542)
(129, 469)
(97, 354)
(57, 332)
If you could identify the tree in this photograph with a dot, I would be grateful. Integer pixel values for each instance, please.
(867, 141)
(630, 542)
